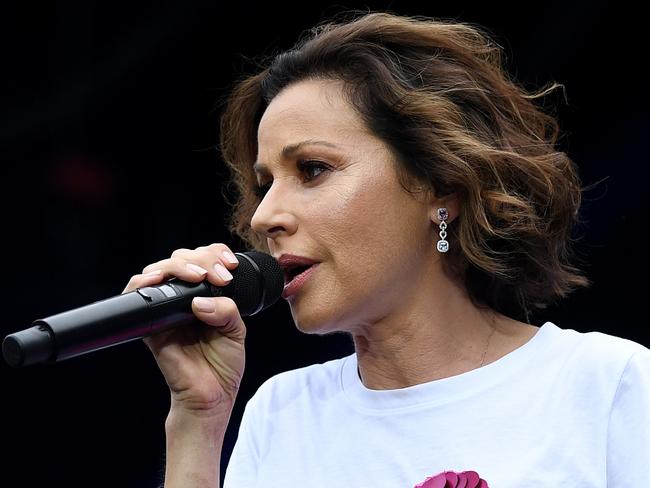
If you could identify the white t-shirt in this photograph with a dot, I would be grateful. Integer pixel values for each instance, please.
(565, 409)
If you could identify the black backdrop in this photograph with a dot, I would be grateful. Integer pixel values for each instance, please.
(107, 133)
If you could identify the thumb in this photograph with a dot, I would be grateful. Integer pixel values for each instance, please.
(222, 313)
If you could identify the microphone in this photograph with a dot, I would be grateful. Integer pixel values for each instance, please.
(257, 284)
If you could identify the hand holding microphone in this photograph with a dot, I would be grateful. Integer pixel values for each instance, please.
(202, 364)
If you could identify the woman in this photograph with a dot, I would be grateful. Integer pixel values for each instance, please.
(422, 188)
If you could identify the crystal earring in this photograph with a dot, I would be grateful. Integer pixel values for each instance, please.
(443, 215)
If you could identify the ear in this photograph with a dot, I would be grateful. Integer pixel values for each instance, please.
(450, 202)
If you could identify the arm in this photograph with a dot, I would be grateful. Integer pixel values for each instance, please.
(202, 365)
(194, 441)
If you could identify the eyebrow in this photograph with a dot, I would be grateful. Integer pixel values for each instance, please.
(290, 150)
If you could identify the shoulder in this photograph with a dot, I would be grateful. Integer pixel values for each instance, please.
(605, 349)
(596, 357)
(307, 383)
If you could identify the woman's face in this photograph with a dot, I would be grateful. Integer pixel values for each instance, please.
(375, 242)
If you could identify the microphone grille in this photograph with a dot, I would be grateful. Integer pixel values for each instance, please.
(257, 282)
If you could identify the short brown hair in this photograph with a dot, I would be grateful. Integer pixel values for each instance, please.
(437, 93)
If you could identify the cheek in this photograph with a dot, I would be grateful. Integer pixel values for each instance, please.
(347, 217)
(363, 235)
(375, 219)
(364, 227)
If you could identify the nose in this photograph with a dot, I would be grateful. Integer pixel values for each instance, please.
(273, 216)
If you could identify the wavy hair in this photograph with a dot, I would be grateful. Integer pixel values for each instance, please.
(436, 92)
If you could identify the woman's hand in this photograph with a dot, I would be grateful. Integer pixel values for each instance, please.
(202, 363)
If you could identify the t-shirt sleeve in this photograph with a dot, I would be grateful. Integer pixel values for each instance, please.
(628, 440)
(241, 471)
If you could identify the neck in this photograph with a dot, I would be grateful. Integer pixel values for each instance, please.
(427, 338)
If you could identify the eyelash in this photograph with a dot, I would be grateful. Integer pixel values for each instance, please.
(260, 191)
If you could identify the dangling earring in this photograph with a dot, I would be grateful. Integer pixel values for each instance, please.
(443, 245)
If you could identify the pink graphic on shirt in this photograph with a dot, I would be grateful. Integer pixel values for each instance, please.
(451, 479)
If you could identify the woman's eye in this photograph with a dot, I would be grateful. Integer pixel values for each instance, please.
(308, 166)
(305, 167)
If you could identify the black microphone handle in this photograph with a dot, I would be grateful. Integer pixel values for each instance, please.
(139, 313)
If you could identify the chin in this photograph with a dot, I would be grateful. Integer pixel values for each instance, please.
(316, 313)
(314, 322)
(308, 325)
(317, 324)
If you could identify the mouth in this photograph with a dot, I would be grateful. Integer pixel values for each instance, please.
(296, 269)
(293, 272)
(296, 277)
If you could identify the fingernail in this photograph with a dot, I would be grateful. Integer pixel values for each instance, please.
(223, 273)
(203, 304)
(230, 257)
(197, 269)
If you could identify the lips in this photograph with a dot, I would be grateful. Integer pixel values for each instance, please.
(293, 265)
(291, 273)
(295, 284)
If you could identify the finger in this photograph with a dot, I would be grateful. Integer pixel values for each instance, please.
(157, 341)
(146, 279)
(209, 256)
(222, 252)
(206, 257)
(222, 313)
(218, 259)
(180, 268)
(181, 252)
(196, 270)
(213, 262)
(156, 266)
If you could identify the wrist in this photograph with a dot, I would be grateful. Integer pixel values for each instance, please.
(182, 417)
(194, 440)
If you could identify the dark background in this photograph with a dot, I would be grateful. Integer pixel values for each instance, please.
(107, 133)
